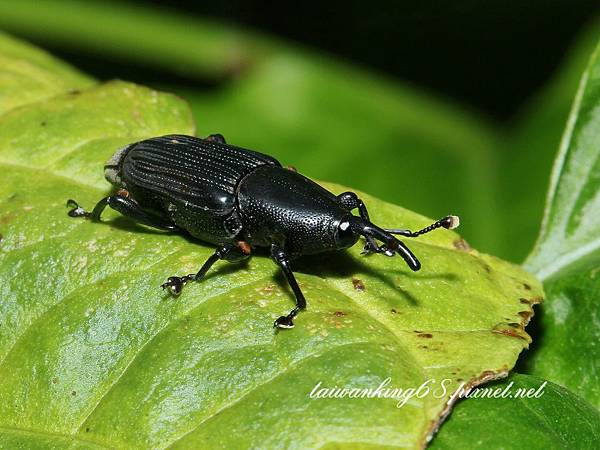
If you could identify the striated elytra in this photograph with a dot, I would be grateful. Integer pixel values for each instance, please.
(238, 199)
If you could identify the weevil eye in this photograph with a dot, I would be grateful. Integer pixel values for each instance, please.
(344, 236)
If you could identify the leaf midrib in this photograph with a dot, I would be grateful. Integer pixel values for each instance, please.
(565, 260)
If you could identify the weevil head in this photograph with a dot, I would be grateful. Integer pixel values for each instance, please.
(345, 236)
(392, 245)
(112, 167)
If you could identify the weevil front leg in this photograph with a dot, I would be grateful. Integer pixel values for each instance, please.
(351, 201)
(126, 206)
(282, 260)
(230, 252)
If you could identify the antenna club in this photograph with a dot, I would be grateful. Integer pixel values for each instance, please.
(451, 222)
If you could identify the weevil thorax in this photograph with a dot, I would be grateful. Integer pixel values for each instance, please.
(112, 168)
(283, 207)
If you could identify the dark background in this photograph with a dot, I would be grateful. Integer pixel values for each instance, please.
(437, 45)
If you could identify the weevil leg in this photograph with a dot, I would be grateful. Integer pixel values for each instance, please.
(216, 138)
(283, 262)
(230, 252)
(76, 210)
(126, 206)
(351, 201)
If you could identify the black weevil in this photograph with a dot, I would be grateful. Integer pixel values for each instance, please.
(238, 199)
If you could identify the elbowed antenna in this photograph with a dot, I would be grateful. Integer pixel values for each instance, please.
(448, 222)
(368, 229)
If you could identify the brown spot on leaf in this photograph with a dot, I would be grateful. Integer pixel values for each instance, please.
(425, 335)
(514, 325)
(339, 314)
(6, 218)
(54, 380)
(73, 393)
(525, 314)
(525, 301)
(511, 332)
(507, 332)
(394, 311)
(358, 284)
(462, 245)
(527, 286)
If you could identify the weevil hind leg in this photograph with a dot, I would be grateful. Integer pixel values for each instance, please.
(126, 206)
(282, 260)
(231, 252)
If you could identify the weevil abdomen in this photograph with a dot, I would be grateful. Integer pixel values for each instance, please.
(191, 180)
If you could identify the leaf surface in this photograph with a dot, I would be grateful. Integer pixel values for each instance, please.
(29, 74)
(93, 353)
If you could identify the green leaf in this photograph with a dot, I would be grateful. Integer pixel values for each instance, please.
(567, 255)
(569, 231)
(556, 419)
(532, 141)
(92, 352)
